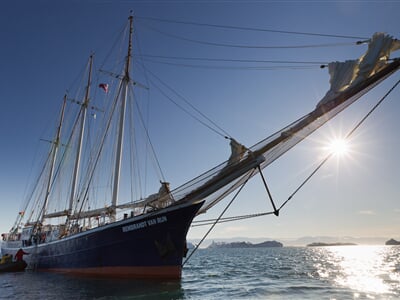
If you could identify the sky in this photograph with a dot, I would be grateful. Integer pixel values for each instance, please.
(45, 44)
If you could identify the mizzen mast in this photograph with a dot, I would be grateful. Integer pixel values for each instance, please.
(84, 107)
(121, 125)
(56, 143)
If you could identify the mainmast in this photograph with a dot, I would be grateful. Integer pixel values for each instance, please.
(120, 138)
(80, 140)
(56, 143)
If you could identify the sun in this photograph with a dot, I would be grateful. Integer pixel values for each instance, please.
(338, 147)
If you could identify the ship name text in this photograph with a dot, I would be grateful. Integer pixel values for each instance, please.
(143, 224)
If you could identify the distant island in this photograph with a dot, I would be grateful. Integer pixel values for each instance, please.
(392, 242)
(273, 244)
(330, 244)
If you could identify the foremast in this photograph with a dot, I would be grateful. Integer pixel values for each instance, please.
(121, 125)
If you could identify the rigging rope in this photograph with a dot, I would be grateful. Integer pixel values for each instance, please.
(233, 60)
(139, 49)
(149, 143)
(347, 137)
(255, 68)
(217, 129)
(231, 219)
(220, 216)
(248, 46)
(251, 28)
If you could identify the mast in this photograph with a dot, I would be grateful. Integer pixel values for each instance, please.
(121, 125)
(80, 140)
(56, 143)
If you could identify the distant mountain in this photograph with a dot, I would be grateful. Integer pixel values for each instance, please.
(303, 241)
(299, 242)
(245, 245)
(330, 244)
(206, 243)
(392, 242)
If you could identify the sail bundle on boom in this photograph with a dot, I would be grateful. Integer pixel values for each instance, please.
(349, 81)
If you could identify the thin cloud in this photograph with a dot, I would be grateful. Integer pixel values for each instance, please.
(235, 229)
(366, 212)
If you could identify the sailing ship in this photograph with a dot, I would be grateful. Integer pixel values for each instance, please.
(63, 231)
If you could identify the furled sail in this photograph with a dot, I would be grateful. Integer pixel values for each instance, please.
(352, 72)
(349, 81)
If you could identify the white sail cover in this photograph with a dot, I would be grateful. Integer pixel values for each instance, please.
(351, 72)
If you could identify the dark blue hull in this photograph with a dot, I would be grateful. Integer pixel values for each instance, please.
(147, 246)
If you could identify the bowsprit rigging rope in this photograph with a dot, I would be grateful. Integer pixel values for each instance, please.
(347, 137)
(220, 216)
(231, 219)
(248, 216)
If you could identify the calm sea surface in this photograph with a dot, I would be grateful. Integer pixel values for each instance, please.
(347, 272)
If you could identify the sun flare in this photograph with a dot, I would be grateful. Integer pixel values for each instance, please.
(338, 147)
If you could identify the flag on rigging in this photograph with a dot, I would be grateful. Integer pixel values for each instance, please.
(104, 86)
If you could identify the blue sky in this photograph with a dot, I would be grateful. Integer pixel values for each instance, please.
(45, 45)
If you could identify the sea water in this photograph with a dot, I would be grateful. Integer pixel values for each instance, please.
(344, 272)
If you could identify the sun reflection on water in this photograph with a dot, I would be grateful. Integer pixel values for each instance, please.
(370, 270)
